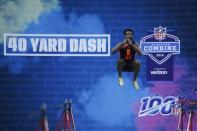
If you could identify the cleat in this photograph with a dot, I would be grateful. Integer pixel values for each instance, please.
(120, 81)
(136, 85)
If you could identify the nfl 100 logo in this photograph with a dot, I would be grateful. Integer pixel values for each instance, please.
(160, 47)
(151, 106)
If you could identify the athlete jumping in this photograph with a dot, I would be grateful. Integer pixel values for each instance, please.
(127, 62)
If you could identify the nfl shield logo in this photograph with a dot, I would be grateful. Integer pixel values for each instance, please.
(160, 33)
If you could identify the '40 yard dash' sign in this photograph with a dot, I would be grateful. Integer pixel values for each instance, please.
(57, 44)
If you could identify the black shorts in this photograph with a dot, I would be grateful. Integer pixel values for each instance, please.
(127, 66)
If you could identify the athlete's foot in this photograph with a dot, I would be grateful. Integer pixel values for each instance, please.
(136, 85)
(120, 81)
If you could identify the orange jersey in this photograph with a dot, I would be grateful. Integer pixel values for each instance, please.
(127, 52)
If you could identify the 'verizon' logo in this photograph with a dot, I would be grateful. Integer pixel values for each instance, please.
(158, 72)
(160, 46)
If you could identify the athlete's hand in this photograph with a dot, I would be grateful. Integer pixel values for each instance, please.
(129, 41)
(125, 41)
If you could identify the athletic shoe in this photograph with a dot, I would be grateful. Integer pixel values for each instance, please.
(136, 85)
(120, 81)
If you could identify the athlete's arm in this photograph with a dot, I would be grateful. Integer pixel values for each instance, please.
(138, 50)
(135, 46)
(116, 48)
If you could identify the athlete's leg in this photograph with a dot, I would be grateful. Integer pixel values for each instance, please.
(120, 66)
(136, 68)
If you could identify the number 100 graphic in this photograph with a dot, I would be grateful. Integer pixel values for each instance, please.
(154, 105)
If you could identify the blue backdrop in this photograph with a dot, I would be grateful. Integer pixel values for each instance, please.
(91, 82)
